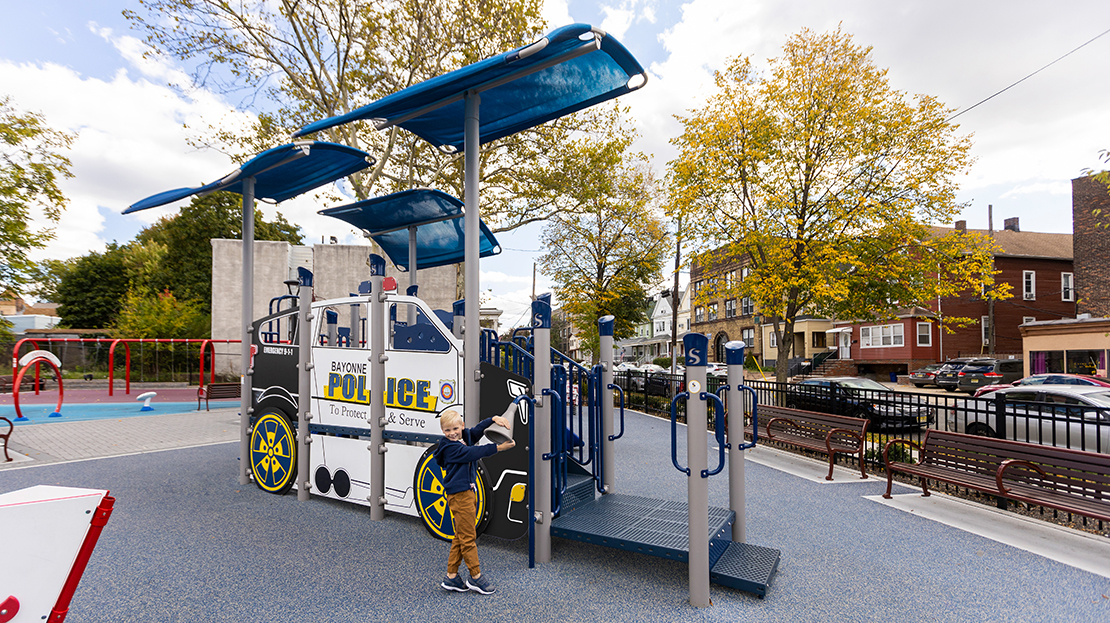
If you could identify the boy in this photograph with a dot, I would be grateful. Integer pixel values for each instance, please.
(456, 455)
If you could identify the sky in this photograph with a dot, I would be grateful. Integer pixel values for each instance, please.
(78, 63)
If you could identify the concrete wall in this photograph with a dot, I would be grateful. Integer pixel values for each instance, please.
(337, 271)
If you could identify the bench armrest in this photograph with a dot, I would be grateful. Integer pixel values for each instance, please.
(11, 427)
(779, 419)
(850, 433)
(886, 450)
(1006, 465)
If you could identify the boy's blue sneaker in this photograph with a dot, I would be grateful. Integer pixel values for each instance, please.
(480, 585)
(454, 584)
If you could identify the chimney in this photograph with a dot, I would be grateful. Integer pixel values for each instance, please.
(1011, 224)
(961, 225)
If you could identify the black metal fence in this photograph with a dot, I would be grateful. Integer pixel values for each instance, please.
(1065, 422)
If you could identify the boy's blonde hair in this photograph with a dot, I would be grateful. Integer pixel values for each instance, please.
(448, 417)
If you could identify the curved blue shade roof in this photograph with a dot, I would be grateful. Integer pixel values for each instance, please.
(572, 68)
(439, 221)
(279, 173)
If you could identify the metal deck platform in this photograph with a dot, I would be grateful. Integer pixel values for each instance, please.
(660, 528)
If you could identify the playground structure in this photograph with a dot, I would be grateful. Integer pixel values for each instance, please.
(38, 356)
(367, 393)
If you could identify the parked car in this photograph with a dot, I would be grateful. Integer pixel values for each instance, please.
(862, 398)
(1054, 378)
(664, 384)
(716, 369)
(976, 374)
(1069, 416)
(925, 376)
(948, 377)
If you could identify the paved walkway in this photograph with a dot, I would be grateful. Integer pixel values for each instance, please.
(188, 543)
(54, 442)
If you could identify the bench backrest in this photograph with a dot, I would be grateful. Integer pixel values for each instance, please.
(1072, 471)
(811, 423)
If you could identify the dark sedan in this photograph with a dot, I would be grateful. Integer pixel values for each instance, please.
(948, 377)
(925, 376)
(862, 398)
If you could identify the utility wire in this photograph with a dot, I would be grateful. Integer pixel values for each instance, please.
(1026, 78)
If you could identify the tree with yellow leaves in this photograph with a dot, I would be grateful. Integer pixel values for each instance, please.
(605, 255)
(830, 184)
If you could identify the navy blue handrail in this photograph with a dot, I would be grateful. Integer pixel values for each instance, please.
(620, 434)
(558, 454)
(531, 478)
(755, 419)
(719, 433)
(674, 431)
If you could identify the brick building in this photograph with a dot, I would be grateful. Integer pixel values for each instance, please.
(1091, 241)
(724, 317)
(1040, 271)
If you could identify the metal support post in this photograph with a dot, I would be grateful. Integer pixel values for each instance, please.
(248, 317)
(737, 407)
(458, 317)
(332, 318)
(305, 340)
(412, 272)
(541, 323)
(608, 465)
(471, 209)
(356, 318)
(375, 329)
(697, 446)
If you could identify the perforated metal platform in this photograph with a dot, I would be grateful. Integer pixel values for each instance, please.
(746, 567)
(644, 525)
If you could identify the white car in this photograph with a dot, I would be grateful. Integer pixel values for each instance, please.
(1067, 416)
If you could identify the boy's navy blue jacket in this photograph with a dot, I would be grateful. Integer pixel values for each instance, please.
(457, 458)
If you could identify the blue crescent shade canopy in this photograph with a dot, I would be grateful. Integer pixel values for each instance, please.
(279, 173)
(572, 68)
(437, 216)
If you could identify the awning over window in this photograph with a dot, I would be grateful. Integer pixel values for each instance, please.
(437, 216)
(572, 68)
(279, 173)
(840, 330)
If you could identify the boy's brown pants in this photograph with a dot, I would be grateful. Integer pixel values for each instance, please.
(463, 548)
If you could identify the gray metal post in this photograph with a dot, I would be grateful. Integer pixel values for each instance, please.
(356, 319)
(412, 271)
(541, 323)
(697, 445)
(332, 318)
(608, 465)
(305, 339)
(375, 330)
(248, 317)
(471, 359)
(737, 407)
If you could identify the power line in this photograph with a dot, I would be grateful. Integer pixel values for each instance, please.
(1026, 77)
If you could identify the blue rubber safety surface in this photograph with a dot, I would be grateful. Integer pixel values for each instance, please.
(187, 543)
(40, 413)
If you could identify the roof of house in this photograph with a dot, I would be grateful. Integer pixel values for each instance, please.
(1026, 243)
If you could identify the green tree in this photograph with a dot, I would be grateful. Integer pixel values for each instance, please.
(605, 257)
(161, 315)
(185, 264)
(92, 291)
(46, 276)
(31, 165)
(828, 181)
(299, 61)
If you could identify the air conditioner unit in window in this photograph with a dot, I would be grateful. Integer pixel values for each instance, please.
(1029, 296)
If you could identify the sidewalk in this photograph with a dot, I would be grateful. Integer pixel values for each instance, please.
(54, 442)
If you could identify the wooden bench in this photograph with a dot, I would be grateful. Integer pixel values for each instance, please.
(217, 391)
(1073, 481)
(821, 432)
(4, 437)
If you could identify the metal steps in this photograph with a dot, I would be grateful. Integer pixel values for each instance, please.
(746, 567)
(660, 528)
